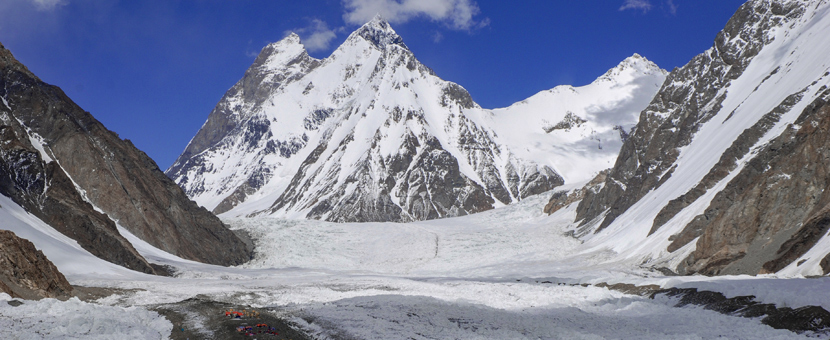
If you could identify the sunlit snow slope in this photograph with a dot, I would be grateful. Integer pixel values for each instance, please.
(579, 130)
(371, 134)
(726, 170)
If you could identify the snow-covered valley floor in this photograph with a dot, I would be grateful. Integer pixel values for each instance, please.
(509, 273)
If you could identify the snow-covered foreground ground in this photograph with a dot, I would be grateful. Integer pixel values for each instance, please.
(504, 274)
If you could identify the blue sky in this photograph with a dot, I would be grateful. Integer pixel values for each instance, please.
(152, 70)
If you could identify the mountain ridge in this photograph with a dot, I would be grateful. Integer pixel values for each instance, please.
(303, 140)
(692, 189)
(63, 166)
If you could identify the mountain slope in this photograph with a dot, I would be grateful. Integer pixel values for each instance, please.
(26, 272)
(367, 134)
(724, 172)
(64, 167)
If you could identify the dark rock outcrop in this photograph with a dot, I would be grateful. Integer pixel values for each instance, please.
(26, 273)
(774, 210)
(58, 161)
(561, 199)
(799, 320)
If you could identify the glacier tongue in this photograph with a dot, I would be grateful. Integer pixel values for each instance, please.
(371, 134)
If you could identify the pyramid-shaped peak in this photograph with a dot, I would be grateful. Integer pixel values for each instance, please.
(379, 22)
(631, 66)
(276, 55)
(636, 60)
(379, 33)
(290, 40)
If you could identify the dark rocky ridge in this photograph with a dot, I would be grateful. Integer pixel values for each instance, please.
(26, 273)
(764, 219)
(774, 210)
(115, 176)
(44, 190)
(689, 98)
(798, 320)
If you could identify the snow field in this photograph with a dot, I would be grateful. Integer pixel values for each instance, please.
(476, 245)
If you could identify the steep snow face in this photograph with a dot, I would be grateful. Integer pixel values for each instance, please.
(371, 134)
(723, 173)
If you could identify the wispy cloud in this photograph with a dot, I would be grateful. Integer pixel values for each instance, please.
(457, 14)
(672, 8)
(644, 5)
(317, 36)
(437, 37)
(48, 5)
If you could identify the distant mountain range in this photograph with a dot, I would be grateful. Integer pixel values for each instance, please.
(371, 134)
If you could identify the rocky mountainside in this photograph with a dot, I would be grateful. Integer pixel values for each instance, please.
(726, 170)
(64, 167)
(26, 273)
(371, 134)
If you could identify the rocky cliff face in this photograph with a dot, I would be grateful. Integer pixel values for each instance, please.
(26, 273)
(63, 166)
(723, 173)
(370, 134)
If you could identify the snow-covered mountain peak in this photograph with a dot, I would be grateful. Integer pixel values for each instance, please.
(371, 134)
(632, 67)
(278, 55)
(291, 39)
(377, 32)
(580, 129)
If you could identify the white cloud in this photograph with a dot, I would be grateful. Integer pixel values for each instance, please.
(48, 5)
(644, 5)
(317, 36)
(458, 14)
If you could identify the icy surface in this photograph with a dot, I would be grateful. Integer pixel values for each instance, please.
(507, 273)
(599, 316)
(74, 319)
